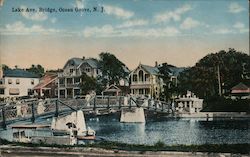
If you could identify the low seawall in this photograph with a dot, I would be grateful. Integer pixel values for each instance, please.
(230, 115)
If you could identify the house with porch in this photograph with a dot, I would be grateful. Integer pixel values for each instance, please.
(69, 80)
(47, 86)
(145, 80)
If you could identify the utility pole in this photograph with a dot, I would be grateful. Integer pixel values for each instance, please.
(219, 81)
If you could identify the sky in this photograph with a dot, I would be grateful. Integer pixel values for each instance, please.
(179, 32)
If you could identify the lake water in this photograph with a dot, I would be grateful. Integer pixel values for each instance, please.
(172, 131)
(169, 131)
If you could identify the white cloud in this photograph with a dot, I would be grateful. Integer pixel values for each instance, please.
(118, 12)
(174, 15)
(53, 20)
(235, 8)
(79, 4)
(131, 23)
(37, 16)
(223, 31)
(19, 28)
(241, 27)
(110, 31)
(189, 23)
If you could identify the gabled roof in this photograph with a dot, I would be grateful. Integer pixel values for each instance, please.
(150, 69)
(45, 80)
(74, 61)
(91, 62)
(19, 73)
(240, 86)
(155, 70)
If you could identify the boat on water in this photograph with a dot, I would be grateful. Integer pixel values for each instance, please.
(64, 130)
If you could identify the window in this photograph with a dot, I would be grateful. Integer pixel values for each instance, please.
(9, 81)
(77, 80)
(134, 78)
(17, 81)
(61, 81)
(30, 92)
(87, 69)
(1, 81)
(2, 91)
(32, 81)
(71, 70)
(141, 76)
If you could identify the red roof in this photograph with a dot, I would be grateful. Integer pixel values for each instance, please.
(241, 88)
(45, 80)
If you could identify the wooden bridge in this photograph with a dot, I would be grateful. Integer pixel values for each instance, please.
(32, 109)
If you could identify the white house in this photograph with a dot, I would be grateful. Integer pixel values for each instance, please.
(17, 82)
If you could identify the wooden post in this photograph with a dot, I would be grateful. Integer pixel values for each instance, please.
(94, 104)
(155, 105)
(57, 109)
(33, 113)
(149, 102)
(120, 103)
(162, 106)
(130, 102)
(4, 118)
(108, 103)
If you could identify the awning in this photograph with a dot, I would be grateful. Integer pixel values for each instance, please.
(14, 91)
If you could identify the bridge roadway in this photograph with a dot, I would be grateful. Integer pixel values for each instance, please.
(32, 109)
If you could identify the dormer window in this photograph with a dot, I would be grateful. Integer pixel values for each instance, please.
(17, 81)
(9, 81)
(32, 81)
(71, 70)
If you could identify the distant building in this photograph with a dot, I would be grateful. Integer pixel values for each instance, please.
(47, 86)
(145, 80)
(70, 78)
(241, 91)
(188, 103)
(17, 82)
(116, 90)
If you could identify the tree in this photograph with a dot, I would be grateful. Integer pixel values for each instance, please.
(202, 79)
(164, 74)
(5, 67)
(36, 69)
(89, 84)
(112, 69)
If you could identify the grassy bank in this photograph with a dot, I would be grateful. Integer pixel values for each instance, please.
(159, 146)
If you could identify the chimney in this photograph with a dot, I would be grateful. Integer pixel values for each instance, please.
(156, 64)
(1, 71)
(83, 57)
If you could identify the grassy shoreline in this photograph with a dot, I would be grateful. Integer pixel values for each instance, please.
(159, 146)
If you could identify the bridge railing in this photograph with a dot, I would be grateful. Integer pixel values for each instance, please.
(32, 109)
